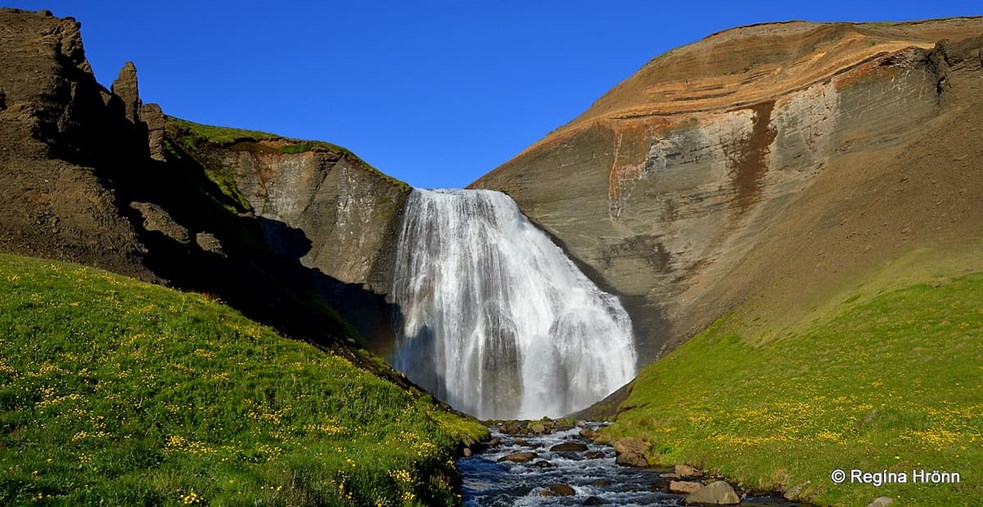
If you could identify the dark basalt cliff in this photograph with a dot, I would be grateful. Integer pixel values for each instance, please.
(57, 125)
(286, 231)
(763, 168)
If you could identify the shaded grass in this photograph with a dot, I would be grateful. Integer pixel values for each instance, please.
(118, 392)
(893, 383)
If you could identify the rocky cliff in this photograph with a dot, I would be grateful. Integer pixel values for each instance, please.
(763, 168)
(315, 202)
(54, 200)
(278, 228)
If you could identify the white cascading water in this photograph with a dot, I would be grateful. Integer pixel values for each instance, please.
(494, 318)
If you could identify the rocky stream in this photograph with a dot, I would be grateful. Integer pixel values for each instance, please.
(552, 464)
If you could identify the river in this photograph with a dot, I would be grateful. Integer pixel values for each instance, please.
(488, 482)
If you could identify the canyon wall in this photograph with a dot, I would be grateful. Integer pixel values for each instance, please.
(334, 213)
(763, 167)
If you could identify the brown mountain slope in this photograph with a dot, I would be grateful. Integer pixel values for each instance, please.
(766, 168)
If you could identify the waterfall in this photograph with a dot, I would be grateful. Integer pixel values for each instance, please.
(494, 318)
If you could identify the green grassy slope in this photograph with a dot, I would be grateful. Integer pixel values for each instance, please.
(892, 383)
(118, 392)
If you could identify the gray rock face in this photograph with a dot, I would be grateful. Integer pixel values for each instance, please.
(715, 493)
(732, 167)
(348, 211)
(346, 214)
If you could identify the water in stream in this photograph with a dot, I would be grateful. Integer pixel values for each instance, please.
(489, 483)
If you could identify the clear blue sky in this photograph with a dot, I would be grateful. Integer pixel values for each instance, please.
(433, 93)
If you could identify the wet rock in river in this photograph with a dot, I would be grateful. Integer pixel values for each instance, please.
(594, 501)
(588, 433)
(512, 427)
(519, 457)
(525, 443)
(569, 447)
(594, 455)
(559, 490)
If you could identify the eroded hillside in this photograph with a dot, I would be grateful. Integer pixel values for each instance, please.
(765, 168)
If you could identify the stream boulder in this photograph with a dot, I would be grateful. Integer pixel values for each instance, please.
(684, 486)
(559, 490)
(569, 447)
(715, 493)
(630, 452)
(519, 457)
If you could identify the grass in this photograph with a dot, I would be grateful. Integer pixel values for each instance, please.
(297, 148)
(116, 392)
(888, 383)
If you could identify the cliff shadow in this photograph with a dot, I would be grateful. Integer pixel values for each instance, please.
(368, 311)
(251, 263)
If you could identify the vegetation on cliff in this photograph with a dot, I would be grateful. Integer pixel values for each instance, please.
(118, 392)
(195, 139)
(889, 383)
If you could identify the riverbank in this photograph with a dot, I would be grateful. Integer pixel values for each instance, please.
(883, 384)
(562, 463)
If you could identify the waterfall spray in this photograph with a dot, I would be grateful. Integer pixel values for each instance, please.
(494, 318)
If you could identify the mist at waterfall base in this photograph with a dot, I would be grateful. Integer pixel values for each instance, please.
(494, 319)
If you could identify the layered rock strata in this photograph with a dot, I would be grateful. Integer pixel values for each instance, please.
(763, 165)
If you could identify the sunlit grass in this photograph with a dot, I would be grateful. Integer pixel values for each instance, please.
(889, 384)
(117, 392)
